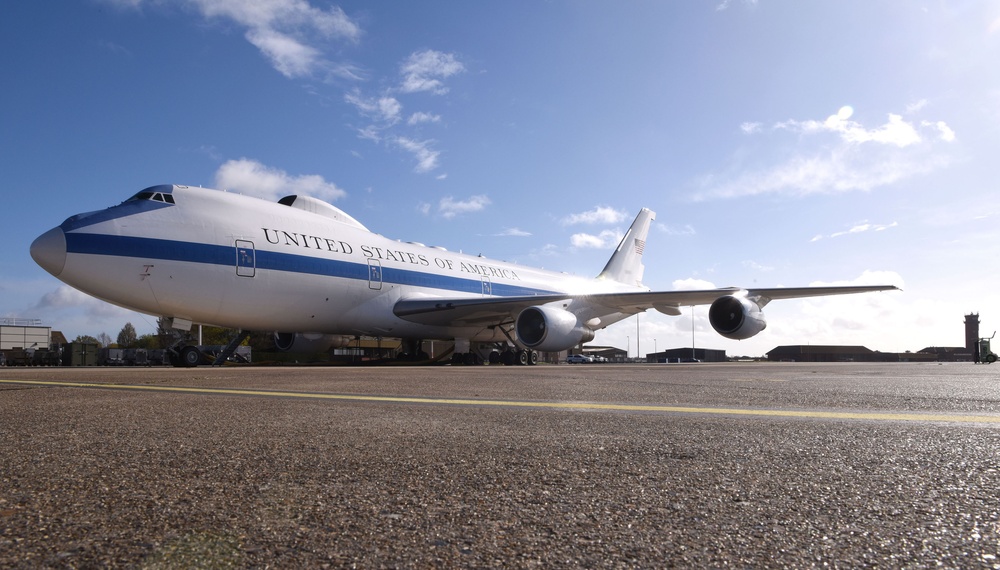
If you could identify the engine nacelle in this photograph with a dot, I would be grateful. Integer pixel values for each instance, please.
(737, 318)
(306, 343)
(550, 329)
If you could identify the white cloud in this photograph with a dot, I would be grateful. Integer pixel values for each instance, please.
(599, 215)
(753, 265)
(287, 32)
(421, 117)
(916, 106)
(385, 110)
(944, 131)
(64, 297)
(692, 284)
(513, 232)
(605, 240)
(449, 207)
(547, 250)
(255, 179)
(724, 5)
(371, 132)
(895, 131)
(423, 71)
(288, 55)
(858, 228)
(864, 227)
(750, 128)
(860, 158)
(838, 170)
(293, 14)
(671, 230)
(868, 277)
(427, 158)
(126, 4)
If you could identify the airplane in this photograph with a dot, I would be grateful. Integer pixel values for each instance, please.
(319, 279)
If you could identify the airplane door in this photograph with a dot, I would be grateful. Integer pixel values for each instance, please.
(246, 259)
(487, 287)
(375, 274)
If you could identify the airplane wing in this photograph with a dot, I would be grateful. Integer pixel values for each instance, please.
(442, 311)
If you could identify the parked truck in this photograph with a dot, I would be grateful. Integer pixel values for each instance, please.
(983, 352)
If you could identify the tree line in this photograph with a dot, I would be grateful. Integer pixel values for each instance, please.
(165, 336)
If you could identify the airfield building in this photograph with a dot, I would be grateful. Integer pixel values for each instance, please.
(24, 334)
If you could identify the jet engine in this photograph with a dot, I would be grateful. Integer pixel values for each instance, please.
(550, 329)
(309, 342)
(737, 318)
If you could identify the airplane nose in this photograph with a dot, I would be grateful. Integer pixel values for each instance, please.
(49, 251)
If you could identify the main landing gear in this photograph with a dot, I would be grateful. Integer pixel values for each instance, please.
(183, 353)
(507, 357)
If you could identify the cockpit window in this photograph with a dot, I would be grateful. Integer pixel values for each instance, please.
(154, 196)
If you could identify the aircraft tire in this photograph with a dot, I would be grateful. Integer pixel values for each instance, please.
(507, 357)
(190, 356)
(532, 358)
(522, 357)
(458, 359)
(494, 358)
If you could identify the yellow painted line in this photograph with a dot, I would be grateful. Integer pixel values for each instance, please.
(814, 414)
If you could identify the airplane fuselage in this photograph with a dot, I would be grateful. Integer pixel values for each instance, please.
(304, 267)
(225, 259)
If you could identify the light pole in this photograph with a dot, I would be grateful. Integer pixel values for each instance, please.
(693, 357)
(628, 345)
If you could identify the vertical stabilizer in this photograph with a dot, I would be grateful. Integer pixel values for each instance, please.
(625, 265)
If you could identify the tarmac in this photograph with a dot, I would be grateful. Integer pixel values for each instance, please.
(597, 466)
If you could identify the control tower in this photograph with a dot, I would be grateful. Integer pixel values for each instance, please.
(972, 335)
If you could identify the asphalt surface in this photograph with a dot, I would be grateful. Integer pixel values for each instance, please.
(610, 466)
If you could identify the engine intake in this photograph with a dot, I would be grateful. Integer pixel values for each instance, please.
(550, 329)
(737, 318)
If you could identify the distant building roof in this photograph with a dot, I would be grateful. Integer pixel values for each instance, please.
(823, 353)
(821, 349)
(943, 349)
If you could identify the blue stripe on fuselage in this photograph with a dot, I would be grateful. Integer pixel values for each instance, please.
(172, 250)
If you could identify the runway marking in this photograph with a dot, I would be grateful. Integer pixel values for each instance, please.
(813, 414)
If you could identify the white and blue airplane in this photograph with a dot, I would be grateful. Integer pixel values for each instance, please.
(319, 278)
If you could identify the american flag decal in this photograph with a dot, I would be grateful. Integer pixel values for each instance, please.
(640, 244)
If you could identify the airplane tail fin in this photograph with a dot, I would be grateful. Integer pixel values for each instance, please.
(625, 265)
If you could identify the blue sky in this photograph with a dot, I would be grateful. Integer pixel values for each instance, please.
(780, 143)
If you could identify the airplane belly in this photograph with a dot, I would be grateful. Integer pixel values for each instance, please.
(289, 302)
(190, 290)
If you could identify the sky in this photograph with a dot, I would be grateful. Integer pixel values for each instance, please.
(780, 143)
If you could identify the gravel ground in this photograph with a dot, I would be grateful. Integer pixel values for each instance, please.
(97, 478)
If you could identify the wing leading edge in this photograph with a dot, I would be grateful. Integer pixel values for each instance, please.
(442, 311)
